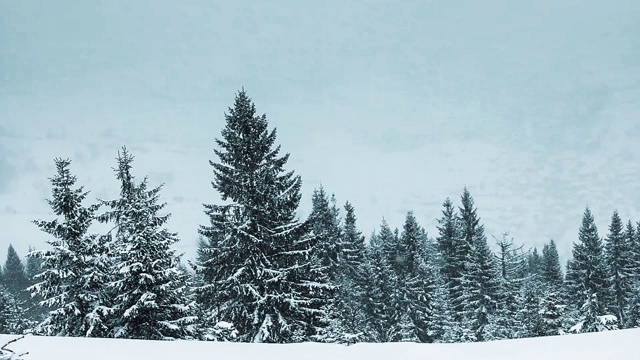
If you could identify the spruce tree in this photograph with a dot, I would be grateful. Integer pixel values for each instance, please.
(449, 245)
(550, 269)
(479, 281)
(343, 315)
(326, 228)
(13, 317)
(535, 263)
(149, 288)
(14, 276)
(268, 284)
(34, 266)
(512, 263)
(618, 255)
(381, 298)
(588, 279)
(443, 324)
(632, 238)
(353, 246)
(551, 313)
(529, 315)
(75, 270)
(416, 278)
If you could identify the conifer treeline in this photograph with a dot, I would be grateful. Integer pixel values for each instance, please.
(263, 275)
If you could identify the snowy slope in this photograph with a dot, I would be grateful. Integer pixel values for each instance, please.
(622, 344)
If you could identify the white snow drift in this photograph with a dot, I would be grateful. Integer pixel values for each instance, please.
(622, 344)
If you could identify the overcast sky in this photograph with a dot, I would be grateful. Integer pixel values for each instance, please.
(394, 106)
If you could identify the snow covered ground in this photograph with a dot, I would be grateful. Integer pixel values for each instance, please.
(621, 344)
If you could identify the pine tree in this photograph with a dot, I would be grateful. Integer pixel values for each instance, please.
(529, 315)
(551, 313)
(14, 276)
(618, 255)
(633, 300)
(535, 263)
(33, 268)
(13, 317)
(343, 316)
(416, 278)
(74, 271)
(149, 288)
(443, 325)
(512, 263)
(588, 276)
(449, 245)
(381, 302)
(550, 269)
(479, 276)
(353, 247)
(267, 282)
(325, 224)
(345, 321)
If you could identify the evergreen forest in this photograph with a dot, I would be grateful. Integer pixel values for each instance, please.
(262, 274)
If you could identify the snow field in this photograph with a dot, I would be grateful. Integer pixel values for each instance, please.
(621, 344)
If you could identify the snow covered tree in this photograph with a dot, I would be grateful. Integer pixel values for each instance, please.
(343, 314)
(149, 288)
(591, 321)
(267, 281)
(535, 262)
(33, 267)
(551, 313)
(618, 255)
(512, 264)
(343, 318)
(381, 298)
(13, 318)
(326, 227)
(632, 238)
(416, 277)
(587, 273)
(14, 276)
(479, 281)
(529, 315)
(550, 270)
(633, 309)
(443, 326)
(453, 256)
(73, 272)
(353, 248)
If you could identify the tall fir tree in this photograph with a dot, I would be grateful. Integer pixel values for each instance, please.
(529, 317)
(550, 269)
(325, 225)
(13, 317)
(344, 317)
(479, 282)
(381, 297)
(552, 311)
(33, 267)
(353, 245)
(268, 284)
(149, 288)
(14, 276)
(449, 245)
(618, 255)
(588, 279)
(535, 263)
(75, 270)
(417, 278)
(512, 263)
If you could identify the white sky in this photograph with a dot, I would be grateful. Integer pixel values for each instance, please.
(394, 106)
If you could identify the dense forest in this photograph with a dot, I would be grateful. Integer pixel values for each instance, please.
(263, 275)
